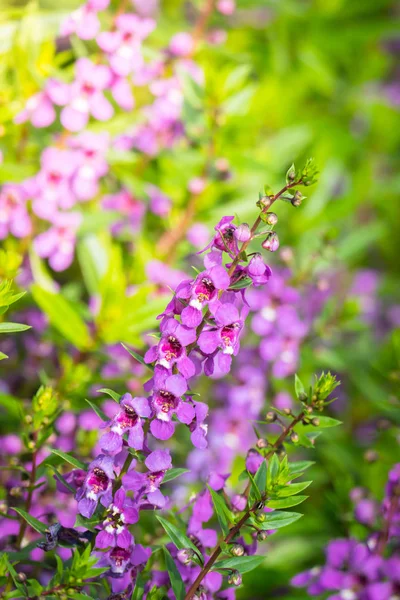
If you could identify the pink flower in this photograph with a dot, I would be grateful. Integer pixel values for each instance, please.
(87, 97)
(54, 182)
(14, 217)
(58, 243)
(226, 7)
(123, 45)
(92, 164)
(39, 109)
(84, 21)
(197, 185)
(181, 44)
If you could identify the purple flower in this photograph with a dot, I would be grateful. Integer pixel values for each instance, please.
(242, 233)
(86, 96)
(127, 420)
(118, 560)
(166, 401)
(158, 462)
(258, 271)
(96, 486)
(160, 204)
(171, 350)
(225, 336)
(120, 513)
(253, 461)
(203, 291)
(130, 208)
(198, 427)
(225, 239)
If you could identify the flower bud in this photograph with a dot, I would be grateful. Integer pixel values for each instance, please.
(287, 411)
(21, 577)
(242, 233)
(271, 218)
(185, 556)
(271, 242)
(235, 578)
(297, 199)
(262, 535)
(294, 437)
(260, 518)
(315, 422)
(265, 201)
(236, 549)
(270, 416)
(371, 455)
(261, 443)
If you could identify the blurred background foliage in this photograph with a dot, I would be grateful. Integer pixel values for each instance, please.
(294, 78)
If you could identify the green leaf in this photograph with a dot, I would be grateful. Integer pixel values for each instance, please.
(13, 327)
(291, 174)
(3, 356)
(278, 519)
(178, 538)
(173, 474)
(259, 482)
(34, 523)
(272, 471)
(61, 479)
(298, 468)
(90, 524)
(325, 422)
(93, 260)
(286, 502)
(239, 103)
(63, 316)
(138, 592)
(223, 513)
(175, 577)
(69, 459)
(14, 576)
(111, 393)
(97, 410)
(137, 356)
(299, 388)
(292, 489)
(243, 564)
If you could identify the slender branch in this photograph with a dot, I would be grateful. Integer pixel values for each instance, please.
(236, 529)
(32, 479)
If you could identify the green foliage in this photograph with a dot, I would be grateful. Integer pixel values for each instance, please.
(174, 575)
(178, 538)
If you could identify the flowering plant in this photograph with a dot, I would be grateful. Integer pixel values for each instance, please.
(154, 424)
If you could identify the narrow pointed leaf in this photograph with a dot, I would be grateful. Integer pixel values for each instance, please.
(77, 464)
(34, 523)
(177, 584)
(243, 564)
(97, 410)
(177, 537)
(223, 513)
(286, 502)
